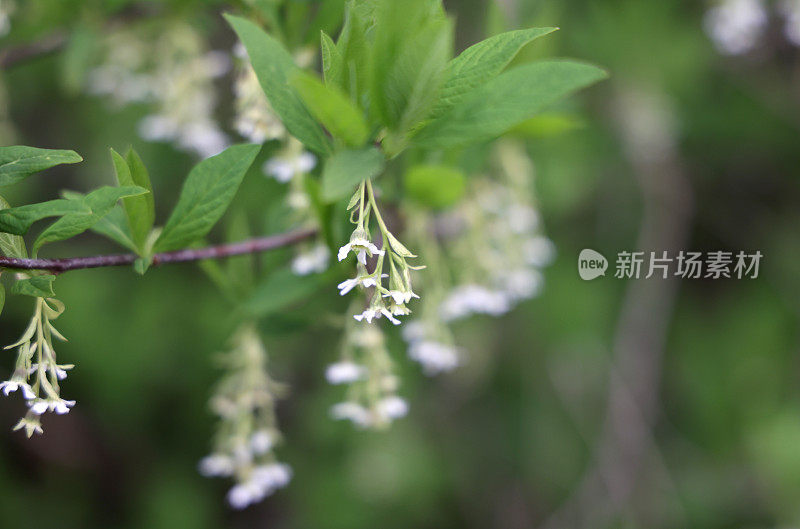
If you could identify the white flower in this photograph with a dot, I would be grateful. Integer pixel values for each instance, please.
(373, 313)
(473, 299)
(522, 218)
(284, 169)
(361, 246)
(345, 372)
(245, 494)
(392, 407)
(272, 476)
(10, 386)
(401, 297)
(61, 406)
(39, 406)
(736, 25)
(414, 331)
(216, 465)
(58, 405)
(539, 251)
(522, 283)
(353, 412)
(365, 281)
(262, 442)
(435, 357)
(311, 261)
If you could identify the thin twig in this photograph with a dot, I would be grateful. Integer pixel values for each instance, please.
(261, 244)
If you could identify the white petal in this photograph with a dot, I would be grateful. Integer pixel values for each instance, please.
(343, 251)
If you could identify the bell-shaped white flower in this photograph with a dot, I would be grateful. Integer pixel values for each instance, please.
(360, 245)
(10, 386)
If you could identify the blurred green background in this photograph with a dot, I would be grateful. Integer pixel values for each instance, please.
(598, 404)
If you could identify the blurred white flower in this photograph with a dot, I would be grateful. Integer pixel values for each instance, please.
(735, 26)
(392, 407)
(434, 357)
(353, 412)
(345, 372)
(214, 465)
(284, 168)
(312, 260)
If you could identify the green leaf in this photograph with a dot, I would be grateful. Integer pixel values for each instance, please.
(36, 286)
(96, 205)
(346, 169)
(206, 194)
(482, 62)
(139, 210)
(19, 162)
(273, 66)
(507, 100)
(436, 186)
(413, 41)
(2, 297)
(332, 61)
(280, 290)
(355, 51)
(11, 245)
(333, 109)
(18, 220)
(115, 227)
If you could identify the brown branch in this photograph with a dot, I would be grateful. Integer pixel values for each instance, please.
(32, 50)
(261, 244)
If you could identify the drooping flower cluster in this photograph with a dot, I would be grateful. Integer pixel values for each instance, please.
(244, 401)
(388, 299)
(171, 71)
(499, 243)
(37, 373)
(367, 369)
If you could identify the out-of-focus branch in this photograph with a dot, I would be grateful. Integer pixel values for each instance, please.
(261, 244)
(22, 53)
(607, 489)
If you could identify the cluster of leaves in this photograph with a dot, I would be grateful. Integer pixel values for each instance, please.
(206, 194)
(390, 84)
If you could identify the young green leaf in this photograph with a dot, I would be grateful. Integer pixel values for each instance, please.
(36, 286)
(273, 66)
(507, 100)
(436, 186)
(11, 245)
(18, 162)
(332, 108)
(355, 51)
(139, 210)
(345, 169)
(97, 205)
(206, 194)
(18, 220)
(482, 62)
(332, 62)
(115, 227)
(413, 41)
